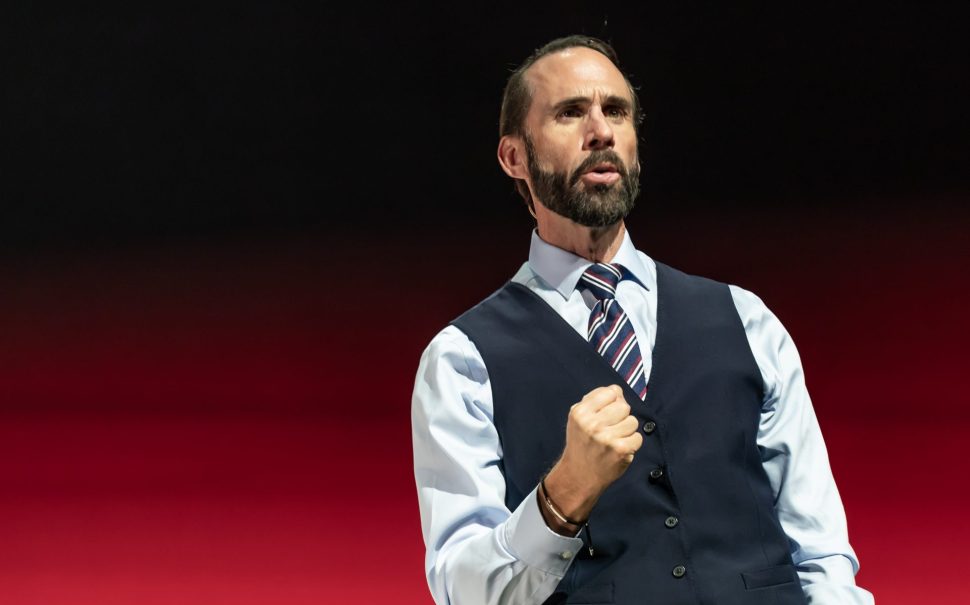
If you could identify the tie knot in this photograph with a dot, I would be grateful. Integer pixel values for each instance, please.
(601, 279)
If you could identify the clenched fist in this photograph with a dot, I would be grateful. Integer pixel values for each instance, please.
(601, 439)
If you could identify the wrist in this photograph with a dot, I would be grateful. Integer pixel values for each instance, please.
(554, 519)
(573, 500)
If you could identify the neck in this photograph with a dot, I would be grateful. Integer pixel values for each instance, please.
(596, 244)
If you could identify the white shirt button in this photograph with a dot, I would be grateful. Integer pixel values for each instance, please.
(566, 554)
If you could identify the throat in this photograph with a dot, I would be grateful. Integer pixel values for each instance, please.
(602, 243)
(595, 244)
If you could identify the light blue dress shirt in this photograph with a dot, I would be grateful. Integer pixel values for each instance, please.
(480, 552)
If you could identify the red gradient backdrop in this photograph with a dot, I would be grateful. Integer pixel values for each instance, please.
(229, 422)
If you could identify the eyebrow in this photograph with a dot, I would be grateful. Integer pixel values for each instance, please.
(612, 100)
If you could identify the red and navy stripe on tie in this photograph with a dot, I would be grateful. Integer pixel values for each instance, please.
(610, 331)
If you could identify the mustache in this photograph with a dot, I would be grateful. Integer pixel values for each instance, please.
(598, 157)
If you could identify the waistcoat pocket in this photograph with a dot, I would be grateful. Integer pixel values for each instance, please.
(772, 576)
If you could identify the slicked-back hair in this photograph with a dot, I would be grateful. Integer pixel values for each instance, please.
(517, 97)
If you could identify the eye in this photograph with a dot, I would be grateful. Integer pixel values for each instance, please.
(615, 112)
(570, 112)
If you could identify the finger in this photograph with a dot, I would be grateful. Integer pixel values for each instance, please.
(601, 397)
(630, 445)
(622, 429)
(627, 426)
(613, 413)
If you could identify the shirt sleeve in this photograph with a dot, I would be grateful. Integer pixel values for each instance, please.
(477, 550)
(796, 461)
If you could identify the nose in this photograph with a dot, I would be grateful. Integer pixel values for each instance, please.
(599, 133)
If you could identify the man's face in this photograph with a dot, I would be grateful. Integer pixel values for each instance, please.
(581, 142)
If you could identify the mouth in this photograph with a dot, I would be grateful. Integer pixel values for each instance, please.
(603, 173)
(603, 168)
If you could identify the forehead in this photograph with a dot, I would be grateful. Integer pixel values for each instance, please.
(574, 72)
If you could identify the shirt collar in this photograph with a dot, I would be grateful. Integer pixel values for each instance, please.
(562, 270)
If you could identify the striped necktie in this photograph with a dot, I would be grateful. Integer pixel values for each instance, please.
(610, 330)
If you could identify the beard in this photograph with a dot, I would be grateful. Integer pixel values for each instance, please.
(600, 205)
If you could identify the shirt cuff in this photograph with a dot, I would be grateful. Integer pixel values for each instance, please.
(531, 541)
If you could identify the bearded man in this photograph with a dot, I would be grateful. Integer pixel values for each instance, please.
(605, 428)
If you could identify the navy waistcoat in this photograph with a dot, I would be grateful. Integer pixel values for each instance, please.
(692, 519)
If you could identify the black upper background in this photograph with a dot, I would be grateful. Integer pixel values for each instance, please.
(143, 124)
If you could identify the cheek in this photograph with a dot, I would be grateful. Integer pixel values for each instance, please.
(560, 148)
(557, 161)
(631, 155)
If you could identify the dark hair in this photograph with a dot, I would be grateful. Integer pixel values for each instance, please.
(517, 97)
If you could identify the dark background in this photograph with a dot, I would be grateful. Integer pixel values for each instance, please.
(228, 235)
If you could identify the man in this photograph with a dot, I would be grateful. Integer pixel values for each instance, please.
(606, 429)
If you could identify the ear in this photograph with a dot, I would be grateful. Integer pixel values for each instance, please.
(511, 156)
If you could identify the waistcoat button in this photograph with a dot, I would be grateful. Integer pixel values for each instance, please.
(656, 473)
(671, 521)
(679, 571)
(649, 427)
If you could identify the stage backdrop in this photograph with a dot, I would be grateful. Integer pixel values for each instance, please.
(227, 238)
